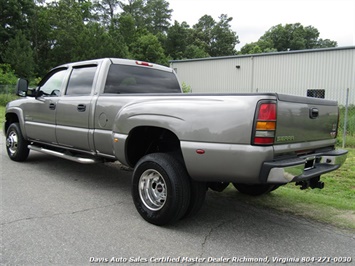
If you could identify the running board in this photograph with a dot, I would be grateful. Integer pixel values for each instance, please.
(65, 156)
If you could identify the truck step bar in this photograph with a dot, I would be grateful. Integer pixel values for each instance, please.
(65, 156)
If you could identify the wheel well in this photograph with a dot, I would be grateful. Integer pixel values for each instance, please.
(145, 140)
(9, 119)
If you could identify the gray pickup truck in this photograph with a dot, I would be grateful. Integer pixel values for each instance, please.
(179, 145)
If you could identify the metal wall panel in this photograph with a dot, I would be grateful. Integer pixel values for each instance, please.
(332, 70)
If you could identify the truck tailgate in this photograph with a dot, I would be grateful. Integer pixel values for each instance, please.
(302, 119)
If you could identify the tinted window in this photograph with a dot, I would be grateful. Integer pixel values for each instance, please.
(81, 80)
(132, 79)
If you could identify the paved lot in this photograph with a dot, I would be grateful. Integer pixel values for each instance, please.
(55, 211)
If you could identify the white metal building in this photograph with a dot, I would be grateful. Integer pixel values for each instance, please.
(327, 72)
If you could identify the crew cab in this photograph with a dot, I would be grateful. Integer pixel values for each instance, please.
(177, 144)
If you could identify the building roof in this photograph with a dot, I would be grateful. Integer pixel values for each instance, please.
(266, 54)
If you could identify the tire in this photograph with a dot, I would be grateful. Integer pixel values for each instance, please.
(16, 145)
(254, 189)
(218, 186)
(197, 198)
(160, 189)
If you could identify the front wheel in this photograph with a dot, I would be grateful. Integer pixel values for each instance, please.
(254, 189)
(160, 189)
(16, 145)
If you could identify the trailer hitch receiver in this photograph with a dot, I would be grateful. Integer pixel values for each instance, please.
(311, 183)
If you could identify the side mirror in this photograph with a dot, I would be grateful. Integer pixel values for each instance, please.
(21, 87)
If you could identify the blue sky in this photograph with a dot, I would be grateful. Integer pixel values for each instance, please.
(335, 19)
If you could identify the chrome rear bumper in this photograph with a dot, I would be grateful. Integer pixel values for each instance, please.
(302, 168)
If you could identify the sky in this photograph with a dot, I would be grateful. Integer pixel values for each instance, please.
(334, 19)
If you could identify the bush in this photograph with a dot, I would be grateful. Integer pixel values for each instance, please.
(7, 97)
(7, 75)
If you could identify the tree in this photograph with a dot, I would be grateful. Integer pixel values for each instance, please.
(19, 55)
(177, 40)
(216, 38)
(148, 48)
(41, 39)
(257, 47)
(194, 51)
(158, 16)
(224, 39)
(7, 75)
(97, 42)
(13, 18)
(126, 27)
(289, 37)
(202, 34)
(106, 10)
(135, 8)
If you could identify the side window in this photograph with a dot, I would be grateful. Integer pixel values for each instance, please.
(81, 81)
(52, 84)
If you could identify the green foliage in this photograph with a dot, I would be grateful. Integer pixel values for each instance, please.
(6, 98)
(224, 39)
(335, 204)
(288, 37)
(186, 88)
(14, 17)
(19, 55)
(37, 35)
(7, 75)
(177, 40)
(148, 48)
(194, 51)
(158, 16)
(215, 38)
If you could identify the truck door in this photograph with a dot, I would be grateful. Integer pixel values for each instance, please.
(40, 112)
(74, 108)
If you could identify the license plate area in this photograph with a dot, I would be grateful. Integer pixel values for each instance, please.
(310, 163)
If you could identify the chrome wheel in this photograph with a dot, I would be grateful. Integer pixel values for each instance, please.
(12, 142)
(152, 190)
(16, 144)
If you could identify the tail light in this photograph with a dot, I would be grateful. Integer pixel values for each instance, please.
(264, 124)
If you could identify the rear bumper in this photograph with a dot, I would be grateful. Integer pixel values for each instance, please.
(302, 168)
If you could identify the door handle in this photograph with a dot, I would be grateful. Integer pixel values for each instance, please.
(81, 107)
(52, 106)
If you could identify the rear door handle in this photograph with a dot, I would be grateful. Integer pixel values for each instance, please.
(52, 106)
(81, 107)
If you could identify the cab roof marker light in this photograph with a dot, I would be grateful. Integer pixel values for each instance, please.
(141, 63)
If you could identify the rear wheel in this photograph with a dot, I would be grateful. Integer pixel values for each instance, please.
(254, 189)
(197, 198)
(161, 189)
(16, 145)
(218, 186)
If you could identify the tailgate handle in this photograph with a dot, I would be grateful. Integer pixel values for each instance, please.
(313, 113)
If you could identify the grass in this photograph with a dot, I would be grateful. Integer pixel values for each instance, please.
(335, 204)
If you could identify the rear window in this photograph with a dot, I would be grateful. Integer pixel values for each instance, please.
(123, 79)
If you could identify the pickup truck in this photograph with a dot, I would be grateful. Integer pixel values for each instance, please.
(177, 144)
